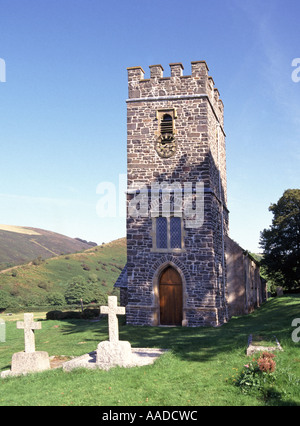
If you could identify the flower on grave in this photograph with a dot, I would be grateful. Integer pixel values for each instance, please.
(266, 362)
(257, 373)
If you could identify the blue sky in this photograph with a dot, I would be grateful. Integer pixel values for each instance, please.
(63, 109)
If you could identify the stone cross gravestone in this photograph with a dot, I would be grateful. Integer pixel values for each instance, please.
(114, 351)
(2, 330)
(29, 326)
(28, 361)
(112, 310)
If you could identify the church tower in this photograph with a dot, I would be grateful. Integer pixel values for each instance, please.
(177, 217)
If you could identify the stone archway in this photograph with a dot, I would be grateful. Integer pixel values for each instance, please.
(156, 277)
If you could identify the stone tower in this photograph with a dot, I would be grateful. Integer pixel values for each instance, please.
(177, 205)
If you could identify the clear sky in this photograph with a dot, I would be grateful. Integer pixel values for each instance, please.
(63, 104)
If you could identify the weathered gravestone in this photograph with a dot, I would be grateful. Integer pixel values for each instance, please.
(2, 330)
(28, 325)
(279, 291)
(113, 352)
(29, 361)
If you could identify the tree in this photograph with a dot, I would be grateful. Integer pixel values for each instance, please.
(281, 242)
(56, 299)
(4, 300)
(79, 289)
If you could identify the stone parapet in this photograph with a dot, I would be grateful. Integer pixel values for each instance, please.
(176, 85)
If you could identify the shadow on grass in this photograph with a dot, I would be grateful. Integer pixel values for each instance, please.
(200, 344)
(274, 398)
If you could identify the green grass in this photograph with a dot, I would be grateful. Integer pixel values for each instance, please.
(200, 368)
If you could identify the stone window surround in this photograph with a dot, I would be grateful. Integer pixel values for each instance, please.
(159, 115)
(154, 249)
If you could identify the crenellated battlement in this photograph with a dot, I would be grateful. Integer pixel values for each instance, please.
(198, 84)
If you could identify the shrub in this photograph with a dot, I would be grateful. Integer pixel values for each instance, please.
(52, 315)
(76, 290)
(257, 373)
(88, 313)
(85, 267)
(93, 278)
(33, 300)
(38, 261)
(79, 289)
(4, 300)
(59, 315)
(56, 299)
(43, 285)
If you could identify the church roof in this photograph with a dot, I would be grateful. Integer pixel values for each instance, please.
(122, 280)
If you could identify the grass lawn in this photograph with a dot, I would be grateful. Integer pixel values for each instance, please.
(200, 368)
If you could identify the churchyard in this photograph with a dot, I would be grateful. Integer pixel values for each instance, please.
(202, 366)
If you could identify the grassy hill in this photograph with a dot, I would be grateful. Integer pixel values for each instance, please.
(20, 245)
(32, 284)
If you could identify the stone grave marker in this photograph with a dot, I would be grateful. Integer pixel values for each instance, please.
(253, 347)
(112, 310)
(279, 291)
(29, 361)
(2, 331)
(113, 352)
(28, 325)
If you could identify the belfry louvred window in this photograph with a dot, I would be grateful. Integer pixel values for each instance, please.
(166, 125)
(166, 142)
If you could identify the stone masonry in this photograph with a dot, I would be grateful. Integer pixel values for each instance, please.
(199, 157)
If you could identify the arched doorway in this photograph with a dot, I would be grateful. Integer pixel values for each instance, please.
(170, 297)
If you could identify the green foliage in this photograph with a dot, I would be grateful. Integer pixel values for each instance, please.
(56, 299)
(281, 242)
(5, 300)
(88, 313)
(38, 261)
(78, 289)
(81, 290)
(34, 284)
(257, 374)
(62, 315)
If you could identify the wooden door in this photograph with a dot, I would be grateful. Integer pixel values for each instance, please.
(170, 296)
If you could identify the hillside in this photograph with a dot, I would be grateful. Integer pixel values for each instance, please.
(34, 284)
(19, 245)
